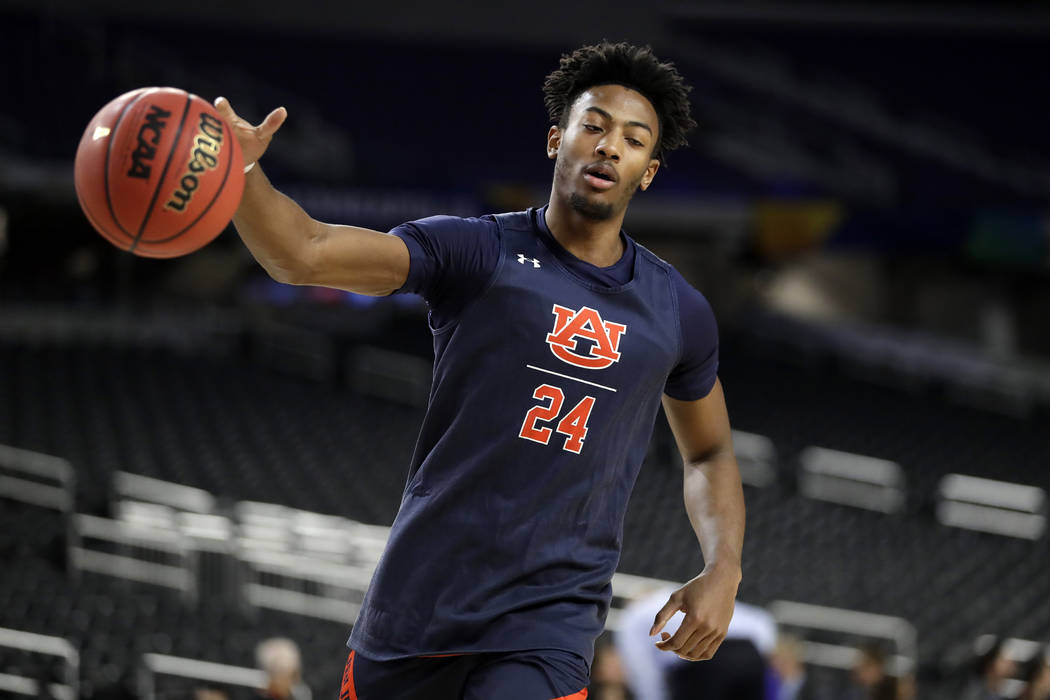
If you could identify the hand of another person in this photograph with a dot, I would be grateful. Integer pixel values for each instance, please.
(253, 139)
(707, 602)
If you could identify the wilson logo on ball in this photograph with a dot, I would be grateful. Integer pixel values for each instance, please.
(205, 156)
(146, 147)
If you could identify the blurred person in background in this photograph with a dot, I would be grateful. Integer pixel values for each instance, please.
(789, 671)
(992, 667)
(608, 677)
(210, 692)
(736, 672)
(869, 679)
(907, 689)
(279, 658)
(1036, 676)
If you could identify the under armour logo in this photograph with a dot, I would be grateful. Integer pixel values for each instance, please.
(522, 259)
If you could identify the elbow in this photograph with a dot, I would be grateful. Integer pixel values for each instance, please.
(301, 265)
(294, 260)
(712, 455)
(287, 272)
(296, 267)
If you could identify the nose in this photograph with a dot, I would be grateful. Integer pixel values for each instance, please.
(607, 149)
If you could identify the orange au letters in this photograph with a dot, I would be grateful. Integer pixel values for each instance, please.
(587, 323)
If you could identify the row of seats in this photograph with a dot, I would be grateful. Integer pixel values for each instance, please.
(243, 433)
(219, 427)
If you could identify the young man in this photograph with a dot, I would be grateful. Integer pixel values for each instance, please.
(555, 337)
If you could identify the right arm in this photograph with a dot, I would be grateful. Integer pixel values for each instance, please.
(297, 249)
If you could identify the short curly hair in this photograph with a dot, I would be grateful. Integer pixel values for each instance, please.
(635, 67)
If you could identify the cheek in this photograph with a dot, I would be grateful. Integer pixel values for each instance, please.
(561, 168)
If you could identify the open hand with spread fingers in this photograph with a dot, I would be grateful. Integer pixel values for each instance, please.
(254, 140)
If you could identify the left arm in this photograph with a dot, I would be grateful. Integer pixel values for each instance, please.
(714, 500)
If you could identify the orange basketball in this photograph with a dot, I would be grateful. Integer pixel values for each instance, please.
(159, 173)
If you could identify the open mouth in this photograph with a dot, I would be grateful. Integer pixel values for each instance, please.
(602, 171)
(600, 176)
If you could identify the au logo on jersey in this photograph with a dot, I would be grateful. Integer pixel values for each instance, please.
(572, 326)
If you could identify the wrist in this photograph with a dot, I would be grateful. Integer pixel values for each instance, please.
(725, 568)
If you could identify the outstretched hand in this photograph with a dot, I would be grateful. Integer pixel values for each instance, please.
(707, 602)
(253, 139)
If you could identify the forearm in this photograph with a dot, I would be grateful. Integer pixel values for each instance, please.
(714, 501)
(274, 228)
(297, 249)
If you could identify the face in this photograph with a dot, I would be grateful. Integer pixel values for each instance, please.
(1002, 666)
(868, 671)
(604, 152)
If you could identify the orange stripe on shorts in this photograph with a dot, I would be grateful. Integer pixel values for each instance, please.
(575, 696)
(347, 690)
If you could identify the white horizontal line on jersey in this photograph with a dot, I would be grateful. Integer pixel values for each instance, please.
(565, 376)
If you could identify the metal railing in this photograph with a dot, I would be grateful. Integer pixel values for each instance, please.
(154, 665)
(848, 626)
(48, 646)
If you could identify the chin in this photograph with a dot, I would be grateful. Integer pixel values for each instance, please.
(590, 209)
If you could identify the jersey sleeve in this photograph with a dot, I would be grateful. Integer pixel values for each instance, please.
(697, 369)
(452, 260)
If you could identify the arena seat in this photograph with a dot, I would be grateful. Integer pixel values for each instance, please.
(243, 433)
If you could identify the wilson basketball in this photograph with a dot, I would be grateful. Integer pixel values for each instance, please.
(158, 172)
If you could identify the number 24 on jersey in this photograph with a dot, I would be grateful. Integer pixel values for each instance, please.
(573, 424)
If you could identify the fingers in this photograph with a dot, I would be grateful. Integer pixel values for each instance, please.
(695, 640)
(705, 648)
(708, 651)
(698, 645)
(265, 130)
(670, 608)
(272, 122)
(225, 109)
(686, 638)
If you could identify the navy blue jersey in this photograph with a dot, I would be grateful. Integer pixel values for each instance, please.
(547, 379)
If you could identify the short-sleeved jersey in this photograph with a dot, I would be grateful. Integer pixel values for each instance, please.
(548, 375)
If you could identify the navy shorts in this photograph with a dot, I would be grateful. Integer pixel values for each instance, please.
(545, 674)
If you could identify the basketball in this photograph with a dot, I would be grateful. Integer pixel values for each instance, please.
(158, 172)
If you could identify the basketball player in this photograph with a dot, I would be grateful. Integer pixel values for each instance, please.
(556, 337)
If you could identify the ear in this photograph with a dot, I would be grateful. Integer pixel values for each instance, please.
(553, 141)
(650, 173)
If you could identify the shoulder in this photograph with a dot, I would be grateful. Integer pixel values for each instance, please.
(448, 254)
(513, 220)
(692, 304)
(443, 223)
(450, 238)
(691, 301)
(488, 228)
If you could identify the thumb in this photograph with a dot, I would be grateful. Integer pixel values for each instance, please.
(272, 122)
(669, 609)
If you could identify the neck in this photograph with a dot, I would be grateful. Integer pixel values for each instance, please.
(596, 242)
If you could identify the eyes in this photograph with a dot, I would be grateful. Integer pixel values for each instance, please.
(596, 129)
